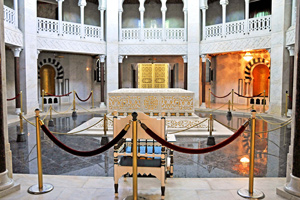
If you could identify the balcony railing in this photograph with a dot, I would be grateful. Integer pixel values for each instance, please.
(9, 15)
(51, 28)
(260, 25)
(131, 34)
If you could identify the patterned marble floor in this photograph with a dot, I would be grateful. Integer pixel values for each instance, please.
(92, 188)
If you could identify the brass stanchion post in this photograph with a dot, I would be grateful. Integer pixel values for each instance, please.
(286, 103)
(21, 99)
(43, 96)
(251, 193)
(134, 160)
(93, 105)
(209, 100)
(264, 102)
(74, 114)
(211, 139)
(21, 135)
(104, 139)
(232, 93)
(51, 122)
(40, 188)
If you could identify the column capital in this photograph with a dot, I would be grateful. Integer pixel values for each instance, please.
(120, 58)
(81, 3)
(203, 4)
(142, 7)
(224, 2)
(121, 5)
(185, 59)
(291, 50)
(60, 0)
(163, 5)
(203, 58)
(102, 58)
(16, 51)
(247, 1)
(102, 5)
(185, 8)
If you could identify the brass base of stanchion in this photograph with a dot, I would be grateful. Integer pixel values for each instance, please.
(93, 107)
(51, 122)
(131, 198)
(256, 194)
(21, 137)
(47, 187)
(104, 140)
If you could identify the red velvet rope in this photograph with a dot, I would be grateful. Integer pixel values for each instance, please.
(222, 96)
(290, 98)
(246, 96)
(13, 98)
(58, 95)
(84, 153)
(84, 99)
(195, 151)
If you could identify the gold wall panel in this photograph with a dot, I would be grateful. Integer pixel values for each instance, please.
(153, 75)
(261, 75)
(47, 73)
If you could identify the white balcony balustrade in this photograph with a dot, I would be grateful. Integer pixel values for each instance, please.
(254, 26)
(152, 34)
(50, 27)
(9, 15)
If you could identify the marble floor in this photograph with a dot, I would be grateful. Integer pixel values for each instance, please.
(83, 187)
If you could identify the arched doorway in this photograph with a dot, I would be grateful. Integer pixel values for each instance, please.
(260, 76)
(47, 73)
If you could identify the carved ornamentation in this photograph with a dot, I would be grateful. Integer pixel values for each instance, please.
(13, 36)
(290, 36)
(153, 49)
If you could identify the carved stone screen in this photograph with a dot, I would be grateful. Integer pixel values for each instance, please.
(153, 75)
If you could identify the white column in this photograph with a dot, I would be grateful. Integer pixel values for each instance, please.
(142, 11)
(294, 10)
(224, 3)
(185, 12)
(16, 13)
(246, 17)
(102, 8)
(60, 16)
(82, 4)
(163, 11)
(203, 7)
(120, 25)
(194, 49)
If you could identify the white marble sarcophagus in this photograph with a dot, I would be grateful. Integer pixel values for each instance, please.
(153, 102)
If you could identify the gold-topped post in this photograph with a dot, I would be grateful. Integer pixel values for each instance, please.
(40, 188)
(251, 193)
(264, 102)
(43, 96)
(229, 105)
(51, 122)
(211, 139)
(209, 99)
(21, 99)
(74, 105)
(232, 93)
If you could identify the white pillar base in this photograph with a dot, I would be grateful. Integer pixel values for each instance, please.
(18, 111)
(102, 105)
(7, 185)
(289, 112)
(293, 187)
(203, 106)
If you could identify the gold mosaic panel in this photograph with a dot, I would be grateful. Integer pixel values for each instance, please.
(124, 102)
(153, 75)
(151, 103)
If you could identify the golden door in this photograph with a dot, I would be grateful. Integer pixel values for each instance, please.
(47, 73)
(153, 75)
(261, 75)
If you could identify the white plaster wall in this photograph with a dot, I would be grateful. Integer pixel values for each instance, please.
(10, 76)
(235, 10)
(71, 13)
(80, 79)
(131, 16)
(127, 70)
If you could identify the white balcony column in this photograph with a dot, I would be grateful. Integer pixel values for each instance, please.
(82, 4)
(163, 11)
(142, 11)
(120, 18)
(203, 7)
(247, 16)
(16, 13)
(185, 12)
(224, 3)
(102, 8)
(60, 16)
(294, 9)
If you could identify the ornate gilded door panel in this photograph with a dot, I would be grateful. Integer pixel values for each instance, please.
(153, 75)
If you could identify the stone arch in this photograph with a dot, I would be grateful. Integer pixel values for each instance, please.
(251, 64)
(51, 61)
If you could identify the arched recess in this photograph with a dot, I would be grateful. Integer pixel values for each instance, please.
(249, 83)
(59, 74)
(47, 82)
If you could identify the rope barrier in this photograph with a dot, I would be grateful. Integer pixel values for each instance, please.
(229, 127)
(13, 97)
(246, 96)
(84, 153)
(28, 121)
(83, 100)
(272, 122)
(242, 108)
(62, 112)
(188, 128)
(80, 130)
(215, 109)
(222, 96)
(195, 151)
(86, 109)
(59, 95)
(48, 112)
